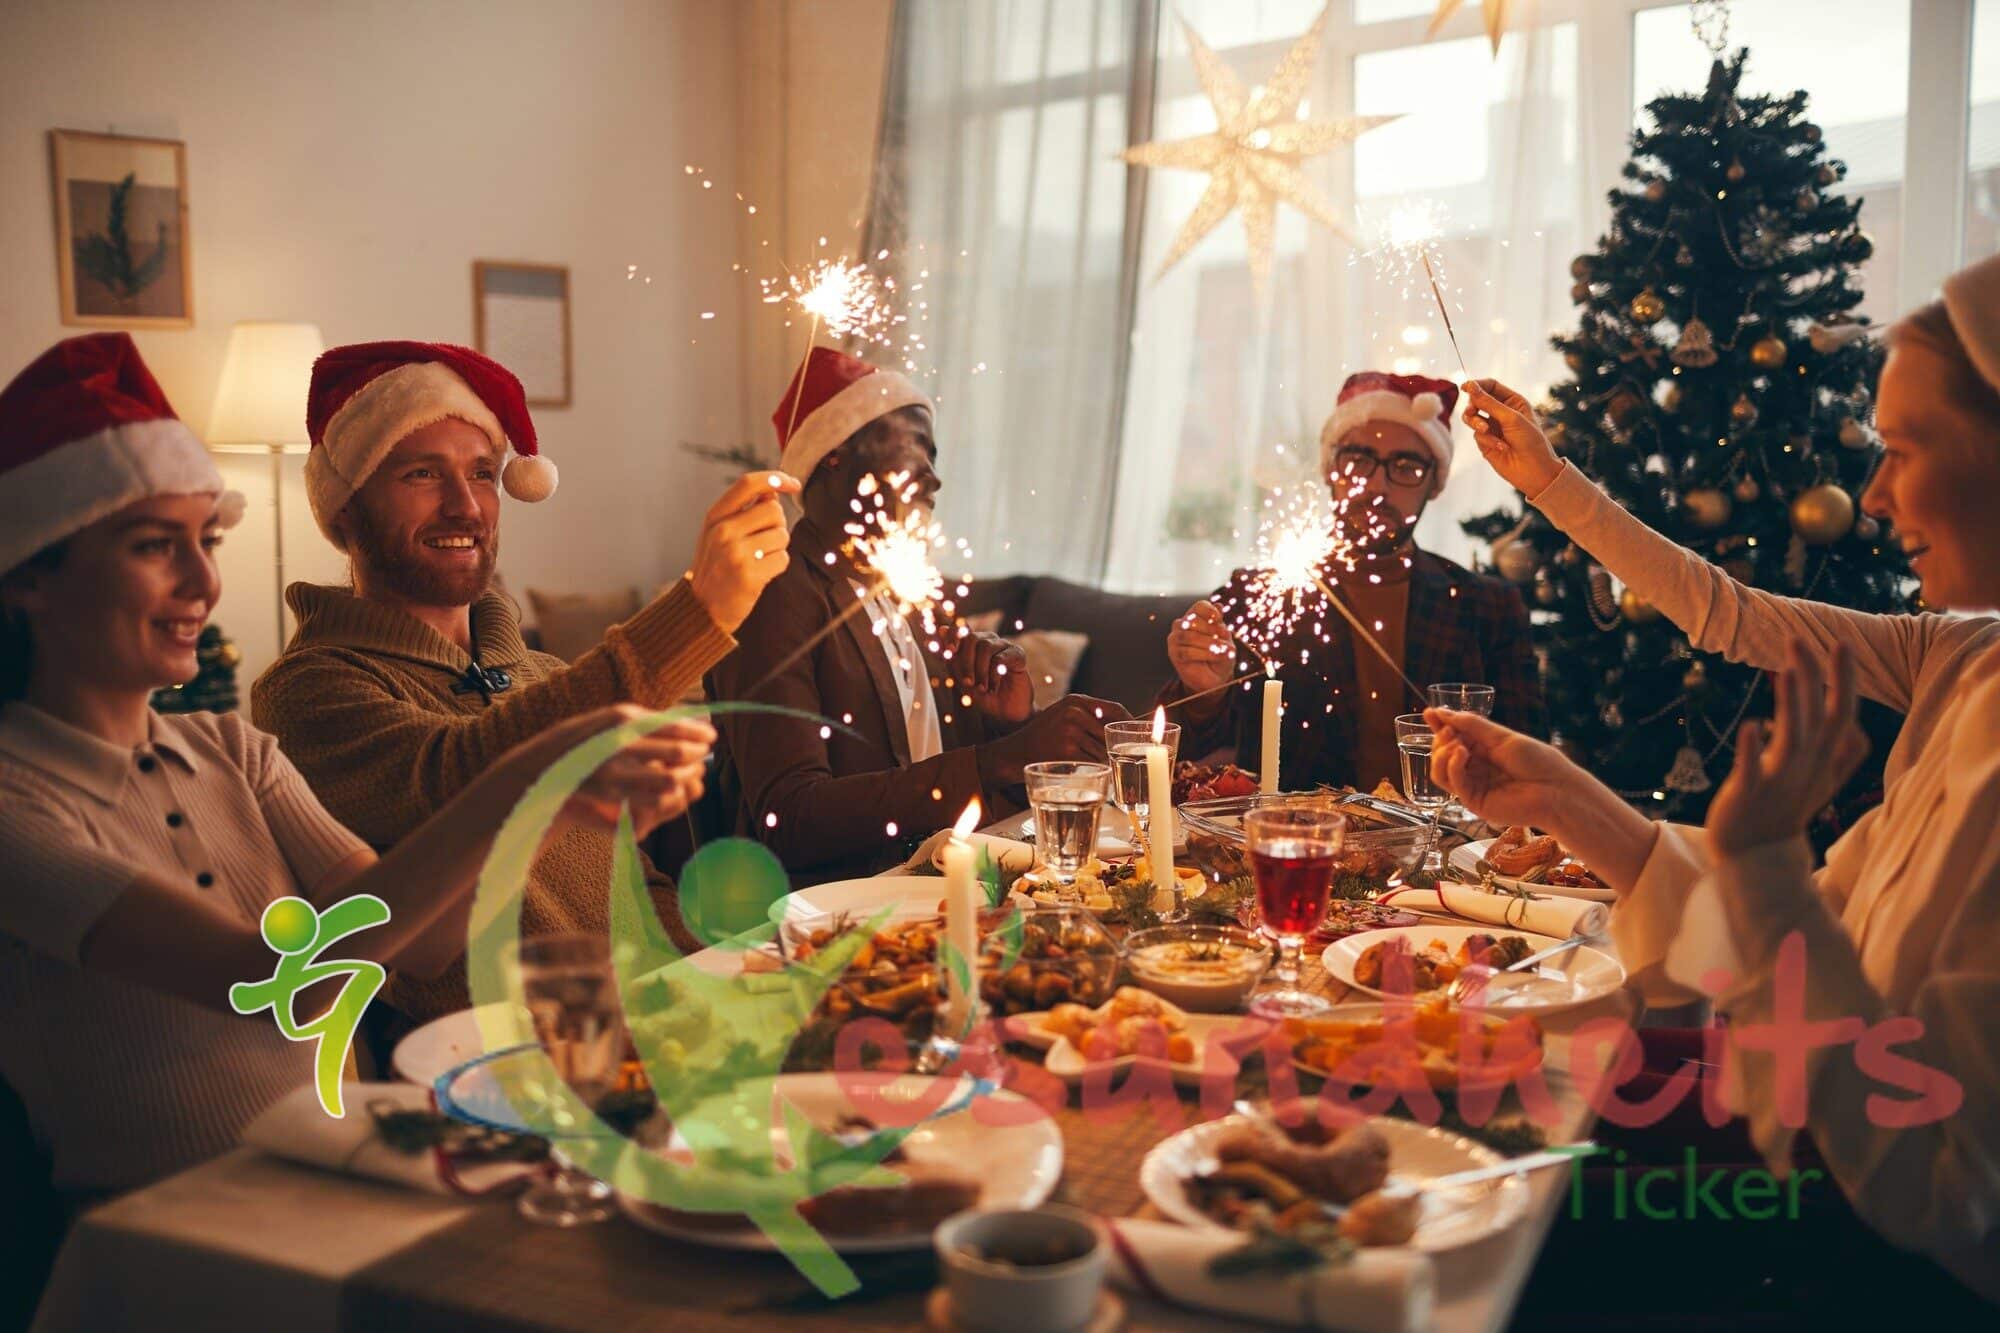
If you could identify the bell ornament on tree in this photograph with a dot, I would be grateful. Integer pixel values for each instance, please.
(1636, 608)
(1769, 353)
(1743, 412)
(1706, 507)
(1613, 715)
(1696, 348)
(1688, 773)
(1647, 307)
(1822, 514)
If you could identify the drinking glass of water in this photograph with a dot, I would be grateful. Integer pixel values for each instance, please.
(571, 994)
(1068, 798)
(1126, 743)
(1292, 846)
(1465, 696)
(1414, 739)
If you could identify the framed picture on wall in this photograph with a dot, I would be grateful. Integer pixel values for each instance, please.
(520, 318)
(122, 252)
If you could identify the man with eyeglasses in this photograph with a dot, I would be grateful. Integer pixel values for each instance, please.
(1385, 453)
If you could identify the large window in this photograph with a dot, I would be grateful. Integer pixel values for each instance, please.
(1982, 187)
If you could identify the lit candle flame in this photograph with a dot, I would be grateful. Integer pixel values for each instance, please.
(1159, 724)
(967, 821)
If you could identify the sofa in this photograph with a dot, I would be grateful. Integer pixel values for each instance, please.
(1126, 659)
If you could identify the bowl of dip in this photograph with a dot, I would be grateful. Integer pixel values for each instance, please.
(1203, 969)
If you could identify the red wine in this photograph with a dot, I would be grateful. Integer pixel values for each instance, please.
(1291, 890)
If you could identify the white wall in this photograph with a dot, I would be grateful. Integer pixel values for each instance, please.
(349, 159)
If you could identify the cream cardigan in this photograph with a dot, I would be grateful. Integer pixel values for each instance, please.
(1903, 921)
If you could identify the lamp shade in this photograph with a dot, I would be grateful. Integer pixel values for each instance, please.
(261, 399)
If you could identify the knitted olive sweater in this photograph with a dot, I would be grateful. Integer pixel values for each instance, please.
(374, 707)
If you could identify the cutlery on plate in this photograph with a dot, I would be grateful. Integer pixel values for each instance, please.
(1473, 978)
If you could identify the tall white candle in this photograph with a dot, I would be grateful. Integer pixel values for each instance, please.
(1267, 768)
(1160, 818)
(962, 900)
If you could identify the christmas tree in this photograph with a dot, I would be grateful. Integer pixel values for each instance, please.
(1721, 394)
(213, 689)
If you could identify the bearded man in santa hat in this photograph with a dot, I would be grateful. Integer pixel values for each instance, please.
(395, 693)
(926, 723)
(1385, 453)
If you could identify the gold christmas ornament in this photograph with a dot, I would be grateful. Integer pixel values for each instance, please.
(1516, 560)
(1696, 348)
(1670, 397)
(1822, 514)
(1706, 507)
(1580, 268)
(1688, 774)
(1853, 435)
(1812, 133)
(1579, 293)
(1546, 590)
(1743, 412)
(1828, 173)
(1647, 307)
(1656, 191)
(1769, 353)
(229, 655)
(1253, 157)
(1574, 359)
(1867, 528)
(1695, 677)
(1807, 201)
(1636, 608)
(1735, 172)
(1624, 407)
(1857, 247)
(1747, 489)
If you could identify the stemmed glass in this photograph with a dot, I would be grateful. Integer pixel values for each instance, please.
(571, 993)
(1414, 739)
(1126, 744)
(1068, 799)
(1292, 846)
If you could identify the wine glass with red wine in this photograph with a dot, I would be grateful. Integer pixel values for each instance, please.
(1292, 848)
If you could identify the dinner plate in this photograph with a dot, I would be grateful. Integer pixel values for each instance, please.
(1016, 1155)
(1373, 1011)
(1591, 973)
(906, 896)
(1464, 862)
(1221, 1044)
(1448, 1219)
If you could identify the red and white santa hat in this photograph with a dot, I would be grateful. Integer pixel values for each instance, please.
(85, 431)
(832, 396)
(366, 397)
(1417, 401)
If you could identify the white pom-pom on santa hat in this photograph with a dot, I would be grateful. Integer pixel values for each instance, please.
(529, 477)
(229, 508)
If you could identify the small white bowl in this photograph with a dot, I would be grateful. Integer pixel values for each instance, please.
(993, 1295)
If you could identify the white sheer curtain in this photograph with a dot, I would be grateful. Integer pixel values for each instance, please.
(1227, 390)
(1002, 206)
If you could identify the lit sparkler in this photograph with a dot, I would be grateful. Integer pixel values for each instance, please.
(843, 297)
(1409, 246)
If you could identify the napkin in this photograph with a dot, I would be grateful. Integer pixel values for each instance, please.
(298, 1129)
(1543, 914)
(1377, 1291)
(1007, 853)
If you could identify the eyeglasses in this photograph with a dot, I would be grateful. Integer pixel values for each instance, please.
(1404, 469)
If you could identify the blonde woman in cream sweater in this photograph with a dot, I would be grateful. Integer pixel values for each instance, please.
(1901, 928)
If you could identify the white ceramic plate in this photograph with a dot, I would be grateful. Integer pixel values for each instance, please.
(1370, 1011)
(1591, 973)
(1449, 1218)
(1221, 1043)
(1466, 857)
(1016, 1159)
(907, 895)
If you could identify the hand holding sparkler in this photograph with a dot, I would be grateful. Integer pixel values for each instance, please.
(994, 674)
(1200, 647)
(742, 547)
(1509, 437)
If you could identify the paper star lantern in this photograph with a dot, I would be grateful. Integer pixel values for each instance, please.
(1496, 18)
(1253, 157)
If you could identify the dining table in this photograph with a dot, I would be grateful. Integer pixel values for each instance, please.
(250, 1241)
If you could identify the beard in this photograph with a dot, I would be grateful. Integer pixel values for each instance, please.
(401, 568)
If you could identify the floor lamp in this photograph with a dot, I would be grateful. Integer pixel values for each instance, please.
(260, 408)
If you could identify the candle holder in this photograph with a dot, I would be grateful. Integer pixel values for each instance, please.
(976, 1051)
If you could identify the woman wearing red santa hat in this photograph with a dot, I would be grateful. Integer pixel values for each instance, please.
(142, 849)
(1900, 929)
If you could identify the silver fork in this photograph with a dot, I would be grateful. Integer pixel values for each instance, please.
(1475, 978)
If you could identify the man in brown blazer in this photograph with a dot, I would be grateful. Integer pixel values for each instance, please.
(906, 735)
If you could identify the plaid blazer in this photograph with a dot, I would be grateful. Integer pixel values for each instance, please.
(1460, 626)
